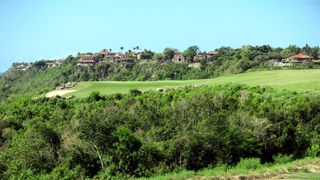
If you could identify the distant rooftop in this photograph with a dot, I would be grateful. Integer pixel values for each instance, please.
(300, 56)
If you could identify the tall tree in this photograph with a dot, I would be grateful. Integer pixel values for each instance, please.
(168, 53)
(191, 52)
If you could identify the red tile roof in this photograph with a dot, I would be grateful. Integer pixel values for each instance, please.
(300, 56)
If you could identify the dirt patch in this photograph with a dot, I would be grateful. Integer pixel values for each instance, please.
(310, 168)
(58, 93)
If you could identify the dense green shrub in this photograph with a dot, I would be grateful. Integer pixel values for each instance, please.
(143, 134)
(282, 158)
(314, 150)
(249, 164)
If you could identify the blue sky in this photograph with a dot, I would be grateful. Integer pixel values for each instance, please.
(44, 29)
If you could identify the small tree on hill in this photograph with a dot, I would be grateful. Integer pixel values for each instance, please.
(191, 52)
(168, 53)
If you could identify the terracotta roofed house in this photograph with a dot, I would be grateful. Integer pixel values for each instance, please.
(87, 59)
(108, 55)
(299, 58)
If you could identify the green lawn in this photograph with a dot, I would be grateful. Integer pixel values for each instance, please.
(310, 176)
(299, 80)
(307, 168)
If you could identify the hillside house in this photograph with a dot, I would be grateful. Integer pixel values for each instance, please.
(22, 66)
(199, 57)
(212, 54)
(118, 57)
(204, 55)
(299, 58)
(107, 54)
(110, 55)
(87, 59)
(51, 64)
(178, 57)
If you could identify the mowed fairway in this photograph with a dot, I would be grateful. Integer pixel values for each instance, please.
(297, 80)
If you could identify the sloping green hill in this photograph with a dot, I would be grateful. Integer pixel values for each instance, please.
(298, 80)
(308, 168)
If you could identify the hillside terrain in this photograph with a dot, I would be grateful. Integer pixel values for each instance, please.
(142, 134)
(227, 116)
(45, 75)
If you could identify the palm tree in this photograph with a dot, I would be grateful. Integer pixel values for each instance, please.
(110, 50)
(121, 48)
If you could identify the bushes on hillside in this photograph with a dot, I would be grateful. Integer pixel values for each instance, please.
(142, 134)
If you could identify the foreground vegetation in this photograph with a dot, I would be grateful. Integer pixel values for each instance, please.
(152, 133)
(296, 80)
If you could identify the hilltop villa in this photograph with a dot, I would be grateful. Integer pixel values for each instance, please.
(87, 59)
(178, 57)
(211, 54)
(205, 55)
(107, 54)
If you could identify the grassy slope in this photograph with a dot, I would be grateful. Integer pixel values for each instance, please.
(284, 79)
(34, 81)
(308, 168)
(111, 87)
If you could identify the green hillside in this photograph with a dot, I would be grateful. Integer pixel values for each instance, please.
(308, 168)
(192, 132)
(283, 79)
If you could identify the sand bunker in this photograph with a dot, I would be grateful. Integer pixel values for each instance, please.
(58, 93)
